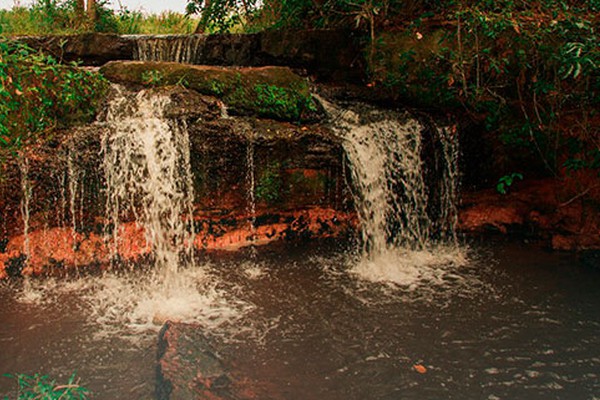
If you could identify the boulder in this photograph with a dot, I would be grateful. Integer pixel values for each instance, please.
(90, 49)
(188, 366)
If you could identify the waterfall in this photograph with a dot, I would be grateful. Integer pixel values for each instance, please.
(25, 209)
(176, 48)
(148, 177)
(74, 185)
(251, 188)
(407, 222)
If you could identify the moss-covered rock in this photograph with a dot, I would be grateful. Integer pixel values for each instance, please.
(274, 92)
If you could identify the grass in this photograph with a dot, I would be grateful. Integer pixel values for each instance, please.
(53, 17)
(168, 22)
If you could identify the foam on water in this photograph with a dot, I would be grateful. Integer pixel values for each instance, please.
(410, 268)
(134, 305)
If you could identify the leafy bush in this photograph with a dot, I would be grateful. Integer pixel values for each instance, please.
(529, 72)
(46, 17)
(135, 22)
(38, 95)
(42, 387)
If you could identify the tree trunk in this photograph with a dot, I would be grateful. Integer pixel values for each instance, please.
(91, 11)
(205, 16)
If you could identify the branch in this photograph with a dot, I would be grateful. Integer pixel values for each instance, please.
(578, 196)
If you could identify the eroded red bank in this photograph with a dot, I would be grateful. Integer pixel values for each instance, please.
(64, 248)
(565, 213)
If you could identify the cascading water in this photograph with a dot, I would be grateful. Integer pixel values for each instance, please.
(146, 160)
(175, 48)
(74, 182)
(251, 186)
(400, 239)
(147, 171)
(25, 210)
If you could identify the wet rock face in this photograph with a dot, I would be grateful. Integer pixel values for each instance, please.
(327, 54)
(297, 172)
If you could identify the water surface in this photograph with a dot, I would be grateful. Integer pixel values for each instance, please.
(515, 322)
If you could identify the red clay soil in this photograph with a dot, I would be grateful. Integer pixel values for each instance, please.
(67, 249)
(565, 213)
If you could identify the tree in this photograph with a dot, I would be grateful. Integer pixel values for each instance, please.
(220, 14)
(91, 9)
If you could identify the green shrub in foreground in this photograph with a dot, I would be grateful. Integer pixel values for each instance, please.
(44, 388)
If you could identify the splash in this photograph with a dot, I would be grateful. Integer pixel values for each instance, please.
(408, 237)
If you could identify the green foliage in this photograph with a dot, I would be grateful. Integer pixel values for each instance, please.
(220, 15)
(275, 101)
(168, 22)
(527, 71)
(37, 95)
(46, 17)
(269, 184)
(42, 387)
(506, 181)
(152, 77)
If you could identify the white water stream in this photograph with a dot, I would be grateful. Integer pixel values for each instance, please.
(148, 177)
(175, 48)
(401, 244)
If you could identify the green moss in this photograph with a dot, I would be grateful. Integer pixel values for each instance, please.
(269, 184)
(274, 92)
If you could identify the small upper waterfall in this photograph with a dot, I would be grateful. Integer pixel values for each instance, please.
(148, 176)
(405, 198)
(176, 48)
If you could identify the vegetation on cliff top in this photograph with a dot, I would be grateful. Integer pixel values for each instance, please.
(528, 74)
(274, 92)
(37, 95)
(58, 17)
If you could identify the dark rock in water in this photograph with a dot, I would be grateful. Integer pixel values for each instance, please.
(92, 49)
(274, 92)
(591, 258)
(188, 366)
